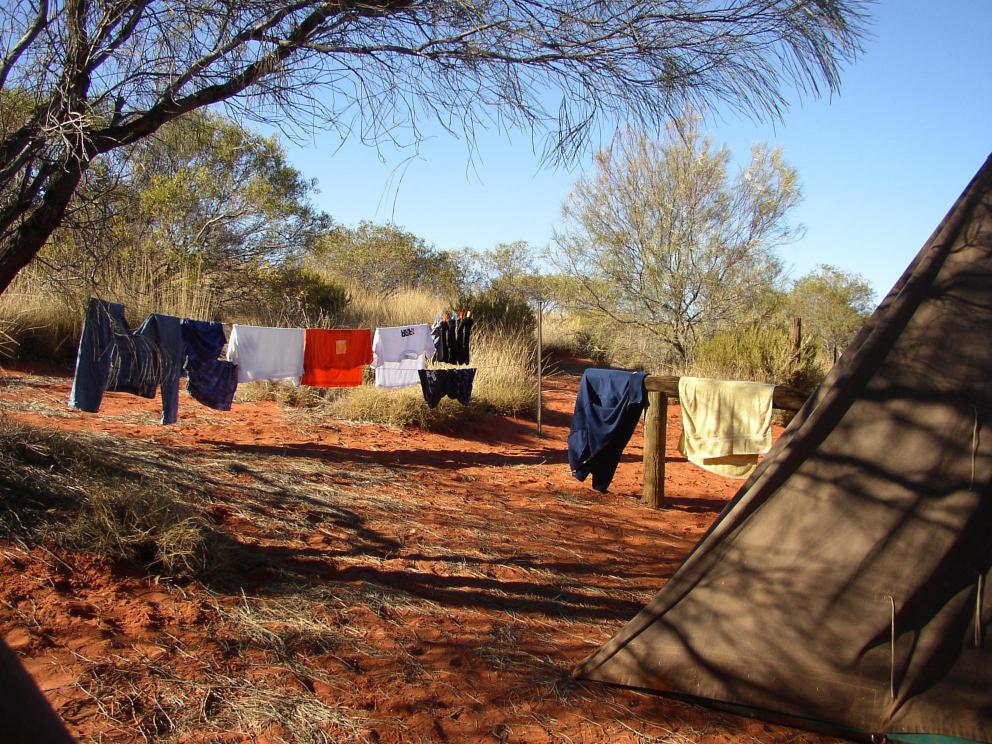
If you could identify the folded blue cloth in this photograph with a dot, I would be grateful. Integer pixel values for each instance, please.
(607, 410)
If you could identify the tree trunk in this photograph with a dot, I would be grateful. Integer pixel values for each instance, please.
(31, 236)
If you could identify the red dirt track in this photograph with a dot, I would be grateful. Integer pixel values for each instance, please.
(390, 585)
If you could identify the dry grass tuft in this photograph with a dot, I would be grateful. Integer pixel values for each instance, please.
(402, 407)
(78, 491)
(507, 378)
(373, 310)
(289, 625)
(286, 394)
(43, 320)
(139, 524)
(148, 699)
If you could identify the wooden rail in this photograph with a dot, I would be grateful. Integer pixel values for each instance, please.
(659, 387)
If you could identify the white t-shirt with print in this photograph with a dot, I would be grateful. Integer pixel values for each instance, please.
(398, 352)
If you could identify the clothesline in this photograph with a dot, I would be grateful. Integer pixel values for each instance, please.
(165, 348)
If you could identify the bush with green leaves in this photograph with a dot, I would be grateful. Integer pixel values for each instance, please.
(296, 297)
(759, 353)
(498, 309)
(385, 259)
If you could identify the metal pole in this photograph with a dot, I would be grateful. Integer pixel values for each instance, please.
(540, 346)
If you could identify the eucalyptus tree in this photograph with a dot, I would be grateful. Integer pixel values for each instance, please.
(833, 304)
(101, 75)
(660, 239)
(201, 193)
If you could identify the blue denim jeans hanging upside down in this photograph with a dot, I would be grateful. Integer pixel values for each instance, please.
(104, 320)
(164, 331)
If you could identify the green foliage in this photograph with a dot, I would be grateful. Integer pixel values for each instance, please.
(759, 353)
(386, 259)
(833, 305)
(209, 188)
(203, 194)
(499, 309)
(660, 239)
(15, 109)
(295, 297)
(105, 75)
(509, 268)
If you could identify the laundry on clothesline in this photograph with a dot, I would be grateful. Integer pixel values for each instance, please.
(451, 334)
(607, 410)
(455, 383)
(114, 358)
(266, 354)
(335, 357)
(398, 352)
(210, 380)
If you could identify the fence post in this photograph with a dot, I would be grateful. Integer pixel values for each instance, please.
(797, 337)
(540, 363)
(655, 424)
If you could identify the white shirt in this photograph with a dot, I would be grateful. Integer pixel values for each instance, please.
(274, 354)
(398, 352)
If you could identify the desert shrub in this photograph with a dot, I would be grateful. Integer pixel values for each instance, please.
(286, 394)
(760, 353)
(36, 324)
(369, 309)
(293, 297)
(140, 524)
(7, 343)
(402, 407)
(505, 383)
(75, 491)
(497, 309)
(385, 259)
(43, 316)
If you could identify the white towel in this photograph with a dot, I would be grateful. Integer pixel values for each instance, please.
(398, 352)
(261, 353)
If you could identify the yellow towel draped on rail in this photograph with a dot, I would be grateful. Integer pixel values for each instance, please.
(725, 424)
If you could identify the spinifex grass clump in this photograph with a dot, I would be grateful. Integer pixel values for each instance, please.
(78, 491)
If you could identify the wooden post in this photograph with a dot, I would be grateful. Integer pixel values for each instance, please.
(797, 337)
(659, 387)
(655, 425)
(540, 361)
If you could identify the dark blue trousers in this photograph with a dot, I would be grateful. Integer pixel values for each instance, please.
(607, 410)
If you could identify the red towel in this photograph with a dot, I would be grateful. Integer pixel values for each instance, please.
(334, 358)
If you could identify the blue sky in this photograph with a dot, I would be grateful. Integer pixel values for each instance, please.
(880, 163)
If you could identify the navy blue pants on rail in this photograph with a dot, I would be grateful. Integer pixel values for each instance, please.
(607, 410)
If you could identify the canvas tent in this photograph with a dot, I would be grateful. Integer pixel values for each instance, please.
(847, 583)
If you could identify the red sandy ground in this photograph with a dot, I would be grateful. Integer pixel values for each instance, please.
(457, 579)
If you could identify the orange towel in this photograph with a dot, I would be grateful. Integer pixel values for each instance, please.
(334, 358)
